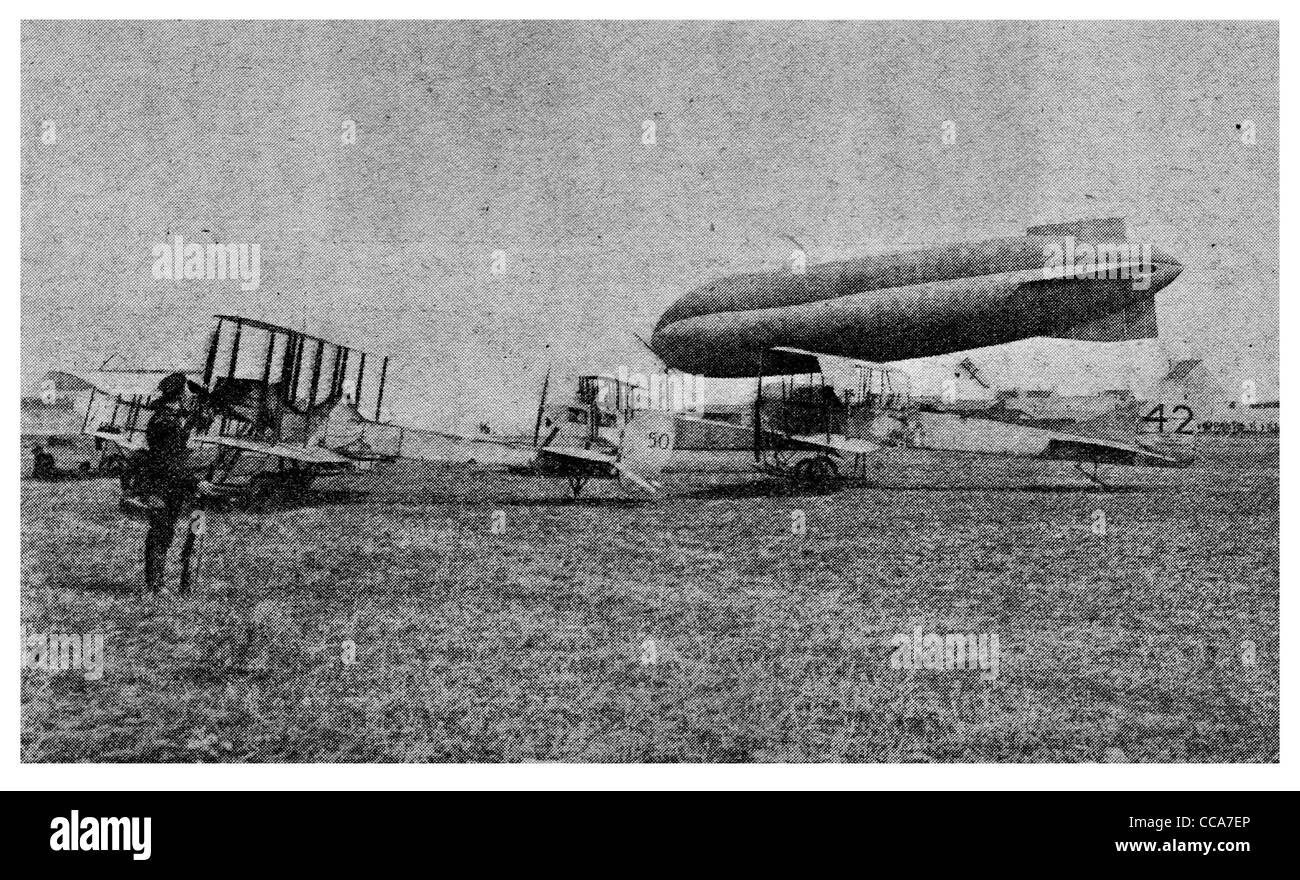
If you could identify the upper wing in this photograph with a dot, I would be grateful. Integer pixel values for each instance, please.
(815, 358)
(113, 383)
(961, 433)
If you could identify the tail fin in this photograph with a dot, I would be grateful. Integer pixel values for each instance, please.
(1138, 322)
(1102, 229)
(647, 445)
(1109, 236)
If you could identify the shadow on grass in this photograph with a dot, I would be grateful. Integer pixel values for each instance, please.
(331, 498)
(93, 585)
(760, 488)
(1067, 489)
(787, 489)
(569, 501)
(763, 488)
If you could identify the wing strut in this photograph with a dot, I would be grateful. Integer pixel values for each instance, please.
(541, 407)
(383, 376)
(758, 412)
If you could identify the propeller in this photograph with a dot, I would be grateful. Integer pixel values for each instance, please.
(647, 347)
(541, 407)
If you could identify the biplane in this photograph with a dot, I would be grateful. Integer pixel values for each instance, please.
(811, 428)
(805, 426)
(605, 432)
(287, 407)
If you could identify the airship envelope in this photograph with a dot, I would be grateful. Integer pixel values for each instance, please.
(1078, 280)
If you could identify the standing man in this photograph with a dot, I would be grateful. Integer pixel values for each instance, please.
(165, 480)
(43, 468)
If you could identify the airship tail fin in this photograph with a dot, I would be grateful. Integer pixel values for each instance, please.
(1103, 229)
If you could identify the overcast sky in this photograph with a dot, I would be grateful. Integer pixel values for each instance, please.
(526, 138)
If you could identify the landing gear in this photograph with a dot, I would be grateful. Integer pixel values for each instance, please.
(861, 465)
(779, 459)
(1093, 474)
(277, 488)
(576, 483)
(113, 465)
(816, 472)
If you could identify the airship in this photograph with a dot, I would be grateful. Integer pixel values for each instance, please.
(1078, 280)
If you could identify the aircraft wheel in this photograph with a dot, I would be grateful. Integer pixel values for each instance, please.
(815, 472)
(131, 478)
(824, 470)
(276, 489)
(112, 465)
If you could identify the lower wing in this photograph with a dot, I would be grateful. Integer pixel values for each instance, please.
(959, 433)
(285, 451)
(955, 432)
(742, 436)
(573, 453)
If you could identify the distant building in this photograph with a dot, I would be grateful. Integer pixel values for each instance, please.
(1255, 419)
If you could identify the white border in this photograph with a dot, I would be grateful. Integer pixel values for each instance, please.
(747, 777)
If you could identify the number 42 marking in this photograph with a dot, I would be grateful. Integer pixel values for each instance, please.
(1157, 417)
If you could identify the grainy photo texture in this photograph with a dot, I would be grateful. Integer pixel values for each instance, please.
(649, 391)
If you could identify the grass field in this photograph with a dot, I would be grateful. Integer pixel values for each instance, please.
(401, 626)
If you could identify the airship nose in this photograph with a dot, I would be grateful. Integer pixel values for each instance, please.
(1164, 268)
(1165, 261)
(667, 343)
